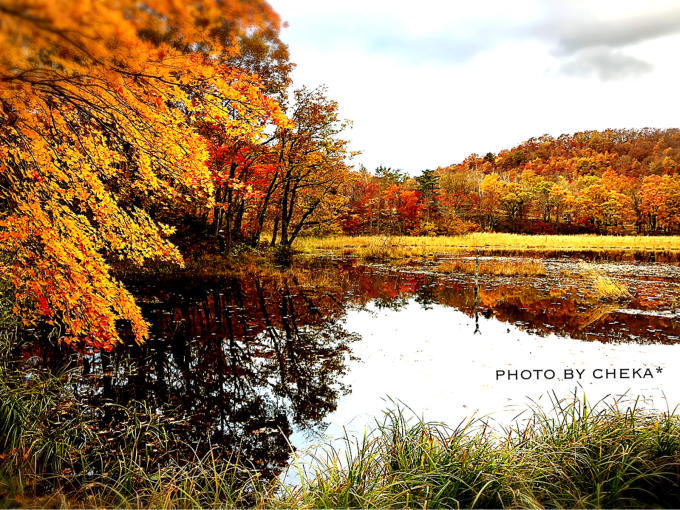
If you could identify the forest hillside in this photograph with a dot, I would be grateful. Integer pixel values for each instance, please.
(606, 182)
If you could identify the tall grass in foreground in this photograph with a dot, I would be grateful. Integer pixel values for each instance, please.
(390, 247)
(52, 454)
(56, 451)
(573, 457)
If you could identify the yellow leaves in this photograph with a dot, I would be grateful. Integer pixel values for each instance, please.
(69, 280)
(102, 126)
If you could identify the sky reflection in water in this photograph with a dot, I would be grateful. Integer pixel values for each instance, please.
(252, 362)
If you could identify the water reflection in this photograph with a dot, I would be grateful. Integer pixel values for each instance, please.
(559, 303)
(244, 362)
(238, 363)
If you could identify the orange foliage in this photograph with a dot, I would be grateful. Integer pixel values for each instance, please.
(98, 103)
(608, 182)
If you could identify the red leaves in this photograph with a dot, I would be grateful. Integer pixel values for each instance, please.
(43, 306)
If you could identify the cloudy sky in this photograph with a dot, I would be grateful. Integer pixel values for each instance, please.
(427, 83)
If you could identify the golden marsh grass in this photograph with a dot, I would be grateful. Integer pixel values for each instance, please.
(395, 247)
(493, 267)
(606, 289)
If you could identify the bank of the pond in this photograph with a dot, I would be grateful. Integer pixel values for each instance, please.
(55, 453)
(402, 250)
(394, 247)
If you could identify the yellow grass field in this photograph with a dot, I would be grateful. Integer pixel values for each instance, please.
(394, 247)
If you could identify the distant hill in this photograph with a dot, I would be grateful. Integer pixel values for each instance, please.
(613, 181)
(630, 152)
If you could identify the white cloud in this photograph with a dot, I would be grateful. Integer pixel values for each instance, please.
(427, 86)
(605, 64)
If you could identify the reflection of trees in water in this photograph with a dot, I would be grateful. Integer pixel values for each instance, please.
(392, 303)
(543, 309)
(535, 304)
(239, 364)
(426, 296)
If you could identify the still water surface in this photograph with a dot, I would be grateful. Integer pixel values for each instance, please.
(255, 362)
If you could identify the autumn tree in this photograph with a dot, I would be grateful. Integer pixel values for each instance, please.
(361, 214)
(404, 208)
(312, 166)
(534, 187)
(514, 200)
(491, 191)
(561, 203)
(99, 103)
(609, 212)
(244, 170)
(660, 203)
(459, 193)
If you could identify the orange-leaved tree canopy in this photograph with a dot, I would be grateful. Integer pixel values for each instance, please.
(99, 100)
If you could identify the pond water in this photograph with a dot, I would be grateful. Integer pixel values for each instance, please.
(255, 363)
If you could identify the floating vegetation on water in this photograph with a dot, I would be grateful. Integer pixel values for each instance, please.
(501, 267)
(606, 288)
